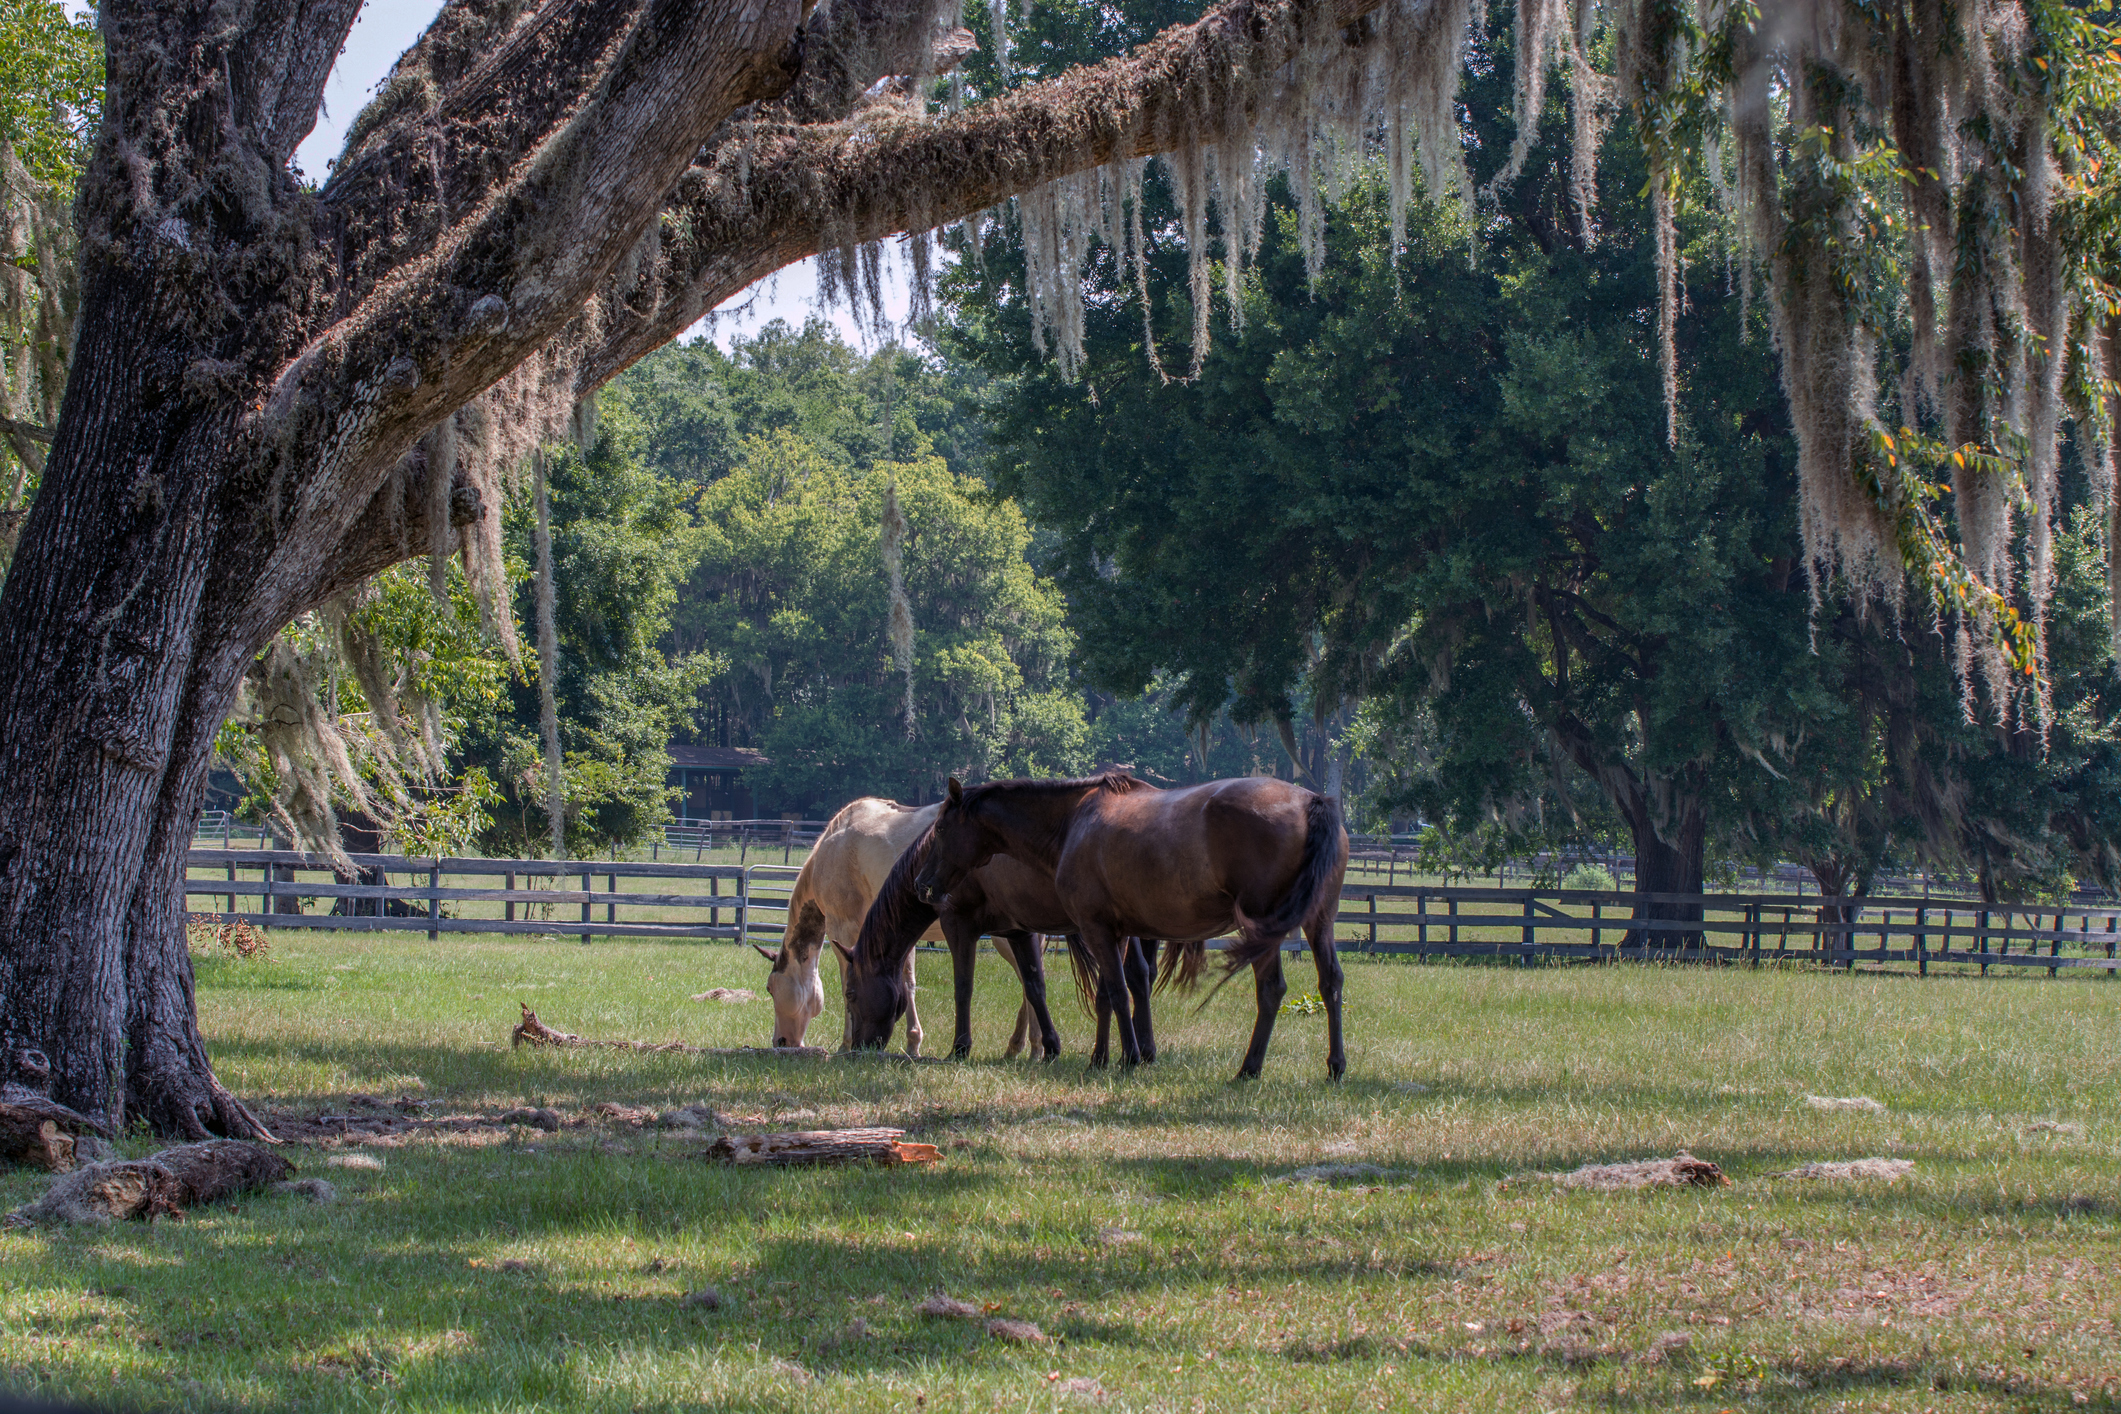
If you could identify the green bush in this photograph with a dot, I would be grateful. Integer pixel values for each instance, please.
(1589, 877)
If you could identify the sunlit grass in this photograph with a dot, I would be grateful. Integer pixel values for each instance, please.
(1135, 1218)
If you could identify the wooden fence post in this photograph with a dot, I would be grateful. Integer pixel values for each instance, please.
(1922, 957)
(1454, 922)
(2054, 946)
(1981, 932)
(589, 886)
(508, 907)
(611, 886)
(434, 901)
(743, 909)
(1525, 943)
(1373, 923)
(1421, 924)
(1597, 911)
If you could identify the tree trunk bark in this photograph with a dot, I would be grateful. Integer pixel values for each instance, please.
(1673, 865)
(123, 639)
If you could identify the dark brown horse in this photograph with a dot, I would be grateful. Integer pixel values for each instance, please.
(1258, 856)
(1002, 897)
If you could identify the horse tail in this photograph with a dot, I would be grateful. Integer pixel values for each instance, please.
(1182, 965)
(1259, 937)
(1085, 976)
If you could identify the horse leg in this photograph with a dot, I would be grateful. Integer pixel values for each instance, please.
(1268, 989)
(1106, 949)
(913, 1011)
(1141, 972)
(1102, 1052)
(1005, 949)
(1031, 970)
(1329, 979)
(963, 938)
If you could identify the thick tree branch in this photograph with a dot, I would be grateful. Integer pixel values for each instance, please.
(794, 192)
(450, 326)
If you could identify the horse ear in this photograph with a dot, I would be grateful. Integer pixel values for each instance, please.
(846, 953)
(957, 792)
(772, 957)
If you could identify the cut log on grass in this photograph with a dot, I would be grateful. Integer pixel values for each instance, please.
(532, 1032)
(822, 1146)
(162, 1185)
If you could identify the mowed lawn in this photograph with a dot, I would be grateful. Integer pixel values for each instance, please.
(1144, 1222)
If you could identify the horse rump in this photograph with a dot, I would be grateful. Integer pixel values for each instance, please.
(1258, 937)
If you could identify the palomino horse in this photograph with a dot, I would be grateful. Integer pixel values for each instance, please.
(1002, 897)
(1256, 855)
(833, 892)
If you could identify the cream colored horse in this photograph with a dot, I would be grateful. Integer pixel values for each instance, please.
(832, 894)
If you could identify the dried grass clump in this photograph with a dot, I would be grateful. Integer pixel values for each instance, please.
(203, 932)
(1682, 1170)
(1863, 1103)
(1853, 1170)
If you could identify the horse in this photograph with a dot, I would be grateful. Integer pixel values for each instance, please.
(1257, 855)
(1003, 897)
(832, 893)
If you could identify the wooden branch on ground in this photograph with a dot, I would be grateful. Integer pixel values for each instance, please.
(532, 1032)
(161, 1185)
(885, 1147)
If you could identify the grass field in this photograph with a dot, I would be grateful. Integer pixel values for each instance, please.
(1141, 1220)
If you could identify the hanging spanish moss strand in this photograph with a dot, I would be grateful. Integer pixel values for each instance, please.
(892, 542)
(441, 471)
(40, 297)
(548, 666)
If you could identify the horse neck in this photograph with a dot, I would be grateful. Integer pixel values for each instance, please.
(1033, 825)
(885, 949)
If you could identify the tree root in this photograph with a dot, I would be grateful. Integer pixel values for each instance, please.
(162, 1185)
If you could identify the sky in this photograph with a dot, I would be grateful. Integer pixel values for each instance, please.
(384, 31)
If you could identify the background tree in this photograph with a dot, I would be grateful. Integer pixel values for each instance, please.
(51, 99)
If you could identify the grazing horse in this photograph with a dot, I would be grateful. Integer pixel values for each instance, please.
(1002, 897)
(831, 895)
(1256, 855)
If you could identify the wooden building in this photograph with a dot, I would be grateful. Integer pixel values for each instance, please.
(712, 780)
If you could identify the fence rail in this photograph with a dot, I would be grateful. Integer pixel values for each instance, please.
(722, 902)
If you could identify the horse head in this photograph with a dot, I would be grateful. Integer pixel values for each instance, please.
(876, 999)
(793, 983)
(957, 844)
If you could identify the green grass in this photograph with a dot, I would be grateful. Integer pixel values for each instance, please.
(1135, 1218)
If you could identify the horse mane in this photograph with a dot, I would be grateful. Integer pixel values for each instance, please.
(1113, 782)
(897, 917)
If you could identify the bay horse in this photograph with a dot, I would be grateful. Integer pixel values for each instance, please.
(1003, 897)
(831, 895)
(1255, 855)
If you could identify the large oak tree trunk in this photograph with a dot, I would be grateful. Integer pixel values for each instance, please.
(122, 642)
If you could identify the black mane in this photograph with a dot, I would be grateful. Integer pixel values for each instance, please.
(896, 920)
(1115, 782)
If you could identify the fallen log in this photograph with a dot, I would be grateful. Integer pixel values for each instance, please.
(886, 1147)
(161, 1185)
(43, 1134)
(532, 1032)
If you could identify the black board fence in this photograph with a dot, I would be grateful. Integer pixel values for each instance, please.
(730, 903)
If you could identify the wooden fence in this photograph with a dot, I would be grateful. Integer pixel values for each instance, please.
(731, 903)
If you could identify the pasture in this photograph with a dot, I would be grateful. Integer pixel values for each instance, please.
(1146, 1223)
